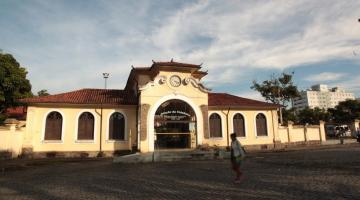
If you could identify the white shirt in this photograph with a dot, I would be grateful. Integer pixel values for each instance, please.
(236, 146)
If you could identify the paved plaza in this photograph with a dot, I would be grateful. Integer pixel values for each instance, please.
(330, 173)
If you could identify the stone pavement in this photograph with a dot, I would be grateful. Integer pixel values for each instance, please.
(332, 173)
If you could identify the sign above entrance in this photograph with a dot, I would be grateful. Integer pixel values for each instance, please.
(175, 115)
(175, 110)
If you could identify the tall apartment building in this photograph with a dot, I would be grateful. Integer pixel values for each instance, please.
(321, 96)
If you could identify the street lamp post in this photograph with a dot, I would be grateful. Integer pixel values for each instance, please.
(101, 153)
(106, 76)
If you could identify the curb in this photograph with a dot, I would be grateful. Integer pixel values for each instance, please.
(313, 147)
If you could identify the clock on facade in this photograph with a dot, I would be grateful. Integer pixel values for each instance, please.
(175, 81)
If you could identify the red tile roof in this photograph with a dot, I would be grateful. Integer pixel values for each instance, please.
(228, 100)
(122, 97)
(18, 112)
(88, 96)
(172, 63)
(141, 68)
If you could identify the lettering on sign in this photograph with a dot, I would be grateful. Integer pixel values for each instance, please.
(174, 115)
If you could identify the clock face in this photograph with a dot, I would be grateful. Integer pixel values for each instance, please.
(175, 81)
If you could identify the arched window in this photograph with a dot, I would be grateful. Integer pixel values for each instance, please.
(117, 126)
(86, 126)
(239, 125)
(215, 125)
(53, 126)
(261, 126)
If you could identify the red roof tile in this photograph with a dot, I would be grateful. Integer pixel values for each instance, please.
(141, 68)
(88, 96)
(18, 112)
(228, 100)
(172, 63)
(122, 97)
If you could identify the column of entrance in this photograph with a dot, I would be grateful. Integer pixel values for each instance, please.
(175, 125)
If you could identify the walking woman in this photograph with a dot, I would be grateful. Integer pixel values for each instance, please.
(237, 155)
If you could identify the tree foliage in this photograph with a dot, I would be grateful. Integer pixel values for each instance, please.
(280, 90)
(290, 115)
(13, 82)
(42, 93)
(346, 111)
(312, 116)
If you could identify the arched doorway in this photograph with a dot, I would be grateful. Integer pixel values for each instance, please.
(175, 125)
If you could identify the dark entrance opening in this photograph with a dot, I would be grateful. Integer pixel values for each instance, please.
(175, 125)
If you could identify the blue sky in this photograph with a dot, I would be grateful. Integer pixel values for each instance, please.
(67, 45)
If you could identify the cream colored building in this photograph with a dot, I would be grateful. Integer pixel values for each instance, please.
(164, 106)
(322, 97)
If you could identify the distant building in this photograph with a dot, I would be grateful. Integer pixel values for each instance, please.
(322, 97)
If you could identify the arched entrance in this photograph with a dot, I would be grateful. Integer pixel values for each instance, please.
(175, 125)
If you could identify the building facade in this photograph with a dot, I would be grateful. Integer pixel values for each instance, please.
(164, 106)
(322, 97)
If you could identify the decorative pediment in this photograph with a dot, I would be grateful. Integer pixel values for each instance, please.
(161, 80)
(197, 84)
(157, 81)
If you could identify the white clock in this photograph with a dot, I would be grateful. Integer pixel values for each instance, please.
(175, 81)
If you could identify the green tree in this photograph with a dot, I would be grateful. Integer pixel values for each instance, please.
(346, 111)
(13, 82)
(278, 89)
(313, 116)
(290, 115)
(42, 93)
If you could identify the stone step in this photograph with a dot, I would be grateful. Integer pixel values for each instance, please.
(338, 141)
(165, 156)
(168, 156)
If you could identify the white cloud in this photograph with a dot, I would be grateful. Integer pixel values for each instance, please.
(251, 95)
(325, 76)
(271, 34)
(66, 41)
(352, 84)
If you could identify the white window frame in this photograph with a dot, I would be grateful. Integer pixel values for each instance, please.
(222, 126)
(267, 125)
(126, 135)
(61, 141)
(77, 127)
(245, 124)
